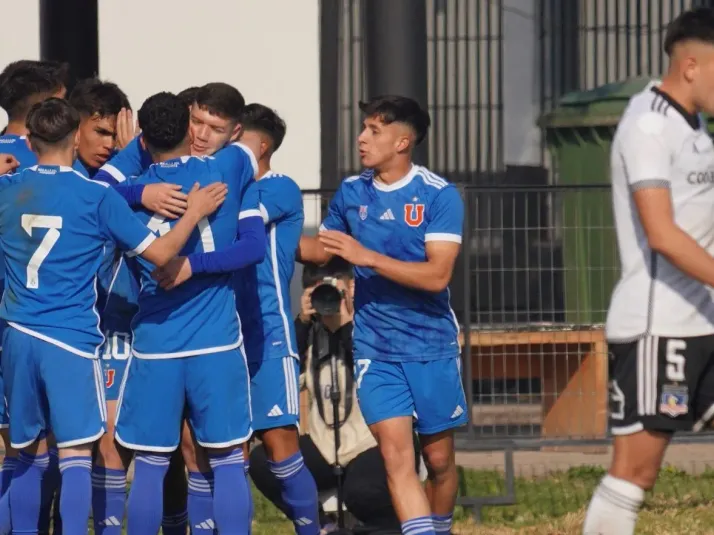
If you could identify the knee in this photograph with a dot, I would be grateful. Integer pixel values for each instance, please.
(642, 474)
(398, 458)
(439, 462)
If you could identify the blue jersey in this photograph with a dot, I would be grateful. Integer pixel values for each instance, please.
(393, 322)
(131, 161)
(263, 291)
(19, 147)
(199, 316)
(54, 226)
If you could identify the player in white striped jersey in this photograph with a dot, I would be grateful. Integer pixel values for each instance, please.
(660, 324)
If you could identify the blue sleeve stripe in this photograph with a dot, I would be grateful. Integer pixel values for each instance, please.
(118, 175)
(442, 236)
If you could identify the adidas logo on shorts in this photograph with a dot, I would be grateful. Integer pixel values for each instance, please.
(275, 411)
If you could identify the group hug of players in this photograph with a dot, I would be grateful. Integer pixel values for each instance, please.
(147, 312)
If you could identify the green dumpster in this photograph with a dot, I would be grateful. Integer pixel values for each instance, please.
(578, 135)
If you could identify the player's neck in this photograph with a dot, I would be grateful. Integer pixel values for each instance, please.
(171, 155)
(16, 128)
(393, 171)
(263, 169)
(56, 158)
(677, 92)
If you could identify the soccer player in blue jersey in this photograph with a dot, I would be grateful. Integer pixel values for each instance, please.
(401, 226)
(187, 350)
(22, 84)
(54, 224)
(263, 298)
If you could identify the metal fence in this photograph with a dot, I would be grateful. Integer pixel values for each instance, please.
(531, 291)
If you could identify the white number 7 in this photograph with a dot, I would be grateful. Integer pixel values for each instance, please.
(51, 222)
(159, 225)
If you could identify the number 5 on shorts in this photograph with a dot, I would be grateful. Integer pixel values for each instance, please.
(51, 222)
(362, 365)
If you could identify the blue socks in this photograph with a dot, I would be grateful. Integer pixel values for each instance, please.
(75, 502)
(230, 493)
(26, 492)
(299, 493)
(174, 524)
(442, 523)
(108, 498)
(422, 525)
(200, 503)
(50, 493)
(251, 507)
(8, 467)
(146, 497)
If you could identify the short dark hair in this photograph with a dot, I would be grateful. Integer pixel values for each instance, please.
(337, 267)
(23, 82)
(693, 25)
(396, 109)
(221, 99)
(259, 118)
(92, 97)
(163, 119)
(50, 123)
(188, 95)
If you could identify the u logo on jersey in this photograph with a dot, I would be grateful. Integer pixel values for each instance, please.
(414, 214)
(109, 376)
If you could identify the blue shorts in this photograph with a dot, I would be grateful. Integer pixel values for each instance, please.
(48, 387)
(156, 394)
(274, 393)
(115, 354)
(429, 390)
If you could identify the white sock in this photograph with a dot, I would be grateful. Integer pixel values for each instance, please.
(613, 508)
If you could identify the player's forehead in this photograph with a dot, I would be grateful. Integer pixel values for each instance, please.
(106, 123)
(377, 123)
(203, 115)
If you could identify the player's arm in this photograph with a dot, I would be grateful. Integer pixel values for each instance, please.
(444, 226)
(647, 163)
(164, 199)
(311, 249)
(248, 249)
(121, 225)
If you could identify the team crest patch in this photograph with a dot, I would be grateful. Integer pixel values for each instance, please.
(363, 212)
(674, 401)
(414, 214)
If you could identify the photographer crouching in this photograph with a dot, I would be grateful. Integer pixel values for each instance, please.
(347, 460)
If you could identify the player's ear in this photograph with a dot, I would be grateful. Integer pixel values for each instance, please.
(237, 132)
(404, 143)
(76, 139)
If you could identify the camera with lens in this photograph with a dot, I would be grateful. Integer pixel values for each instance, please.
(327, 297)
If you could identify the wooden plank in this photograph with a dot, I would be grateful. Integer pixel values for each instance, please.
(500, 338)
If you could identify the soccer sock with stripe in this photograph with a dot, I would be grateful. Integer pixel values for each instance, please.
(75, 502)
(174, 524)
(230, 493)
(251, 506)
(108, 500)
(442, 523)
(146, 498)
(614, 507)
(8, 466)
(299, 492)
(422, 525)
(26, 492)
(50, 494)
(200, 503)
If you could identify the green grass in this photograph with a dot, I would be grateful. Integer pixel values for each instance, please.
(553, 504)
